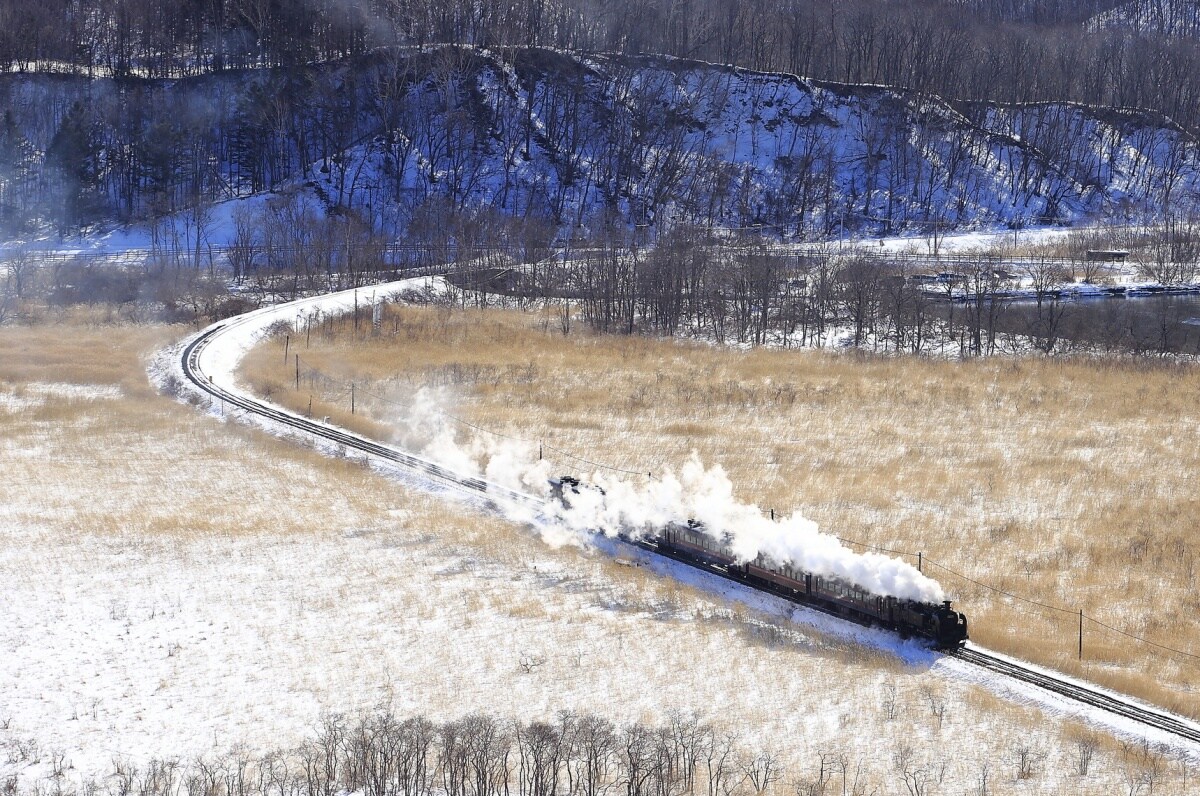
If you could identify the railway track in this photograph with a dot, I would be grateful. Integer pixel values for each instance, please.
(417, 464)
(1089, 696)
(193, 372)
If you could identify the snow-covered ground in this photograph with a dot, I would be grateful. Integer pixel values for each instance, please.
(195, 586)
(965, 242)
(214, 229)
(220, 363)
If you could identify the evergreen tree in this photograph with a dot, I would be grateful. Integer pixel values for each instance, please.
(15, 153)
(73, 165)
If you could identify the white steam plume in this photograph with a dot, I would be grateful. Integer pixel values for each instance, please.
(696, 492)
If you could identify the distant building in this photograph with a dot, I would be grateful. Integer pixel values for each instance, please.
(1107, 255)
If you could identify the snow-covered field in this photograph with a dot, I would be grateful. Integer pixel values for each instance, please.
(174, 584)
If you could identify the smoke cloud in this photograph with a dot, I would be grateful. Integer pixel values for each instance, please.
(640, 506)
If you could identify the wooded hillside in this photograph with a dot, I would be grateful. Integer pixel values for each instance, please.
(397, 138)
(1095, 51)
(550, 111)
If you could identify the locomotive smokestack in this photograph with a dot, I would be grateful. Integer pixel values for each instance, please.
(947, 604)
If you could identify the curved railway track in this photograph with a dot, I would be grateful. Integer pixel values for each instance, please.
(419, 465)
(1091, 697)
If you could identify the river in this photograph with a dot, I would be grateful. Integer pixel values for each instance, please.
(1143, 324)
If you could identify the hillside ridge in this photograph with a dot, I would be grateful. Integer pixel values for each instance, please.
(572, 140)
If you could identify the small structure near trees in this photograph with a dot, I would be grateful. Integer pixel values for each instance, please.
(1107, 255)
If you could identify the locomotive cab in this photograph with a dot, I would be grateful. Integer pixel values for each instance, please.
(951, 627)
(563, 487)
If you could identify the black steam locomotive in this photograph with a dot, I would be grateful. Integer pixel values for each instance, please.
(691, 544)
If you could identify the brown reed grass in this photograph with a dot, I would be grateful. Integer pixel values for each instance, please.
(144, 471)
(1068, 481)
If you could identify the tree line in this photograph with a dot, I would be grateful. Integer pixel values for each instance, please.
(688, 283)
(381, 754)
(980, 50)
(754, 294)
(578, 754)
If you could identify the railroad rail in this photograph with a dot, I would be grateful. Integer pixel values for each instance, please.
(478, 487)
(1081, 693)
(417, 464)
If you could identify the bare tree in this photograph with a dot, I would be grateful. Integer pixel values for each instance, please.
(918, 780)
(1085, 746)
(1026, 760)
(762, 770)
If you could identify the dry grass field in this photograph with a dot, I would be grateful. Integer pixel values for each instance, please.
(176, 586)
(1069, 482)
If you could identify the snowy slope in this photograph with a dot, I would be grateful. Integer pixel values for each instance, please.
(662, 140)
(1129, 158)
(577, 140)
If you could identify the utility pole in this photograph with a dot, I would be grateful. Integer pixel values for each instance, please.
(287, 339)
(1080, 634)
(351, 397)
(297, 371)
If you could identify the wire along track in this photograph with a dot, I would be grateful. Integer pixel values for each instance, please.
(434, 472)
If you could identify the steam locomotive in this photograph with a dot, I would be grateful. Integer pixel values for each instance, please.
(692, 544)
